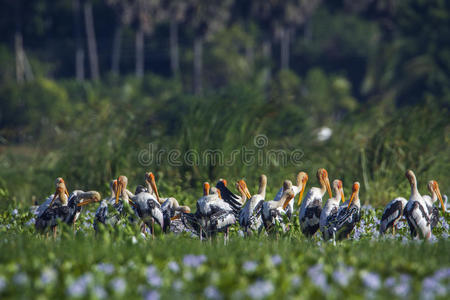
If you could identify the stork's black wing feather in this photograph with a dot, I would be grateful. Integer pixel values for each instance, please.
(229, 197)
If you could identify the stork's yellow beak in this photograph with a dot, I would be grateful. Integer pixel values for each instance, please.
(438, 193)
(342, 195)
(300, 198)
(351, 199)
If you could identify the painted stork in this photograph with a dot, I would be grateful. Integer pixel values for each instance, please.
(392, 214)
(235, 201)
(302, 179)
(416, 211)
(119, 191)
(55, 198)
(330, 211)
(66, 211)
(311, 205)
(273, 211)
(250, 217)
(348, 217)
(433, 211)
(213, 214)
(172, 211)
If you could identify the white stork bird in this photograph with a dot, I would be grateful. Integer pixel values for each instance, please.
(172, 211)
(311, 206)
(349, 216)
(433, 211)
(119, 192)
(250, 217)
(66, 211)
(213, 214)
(392, 214)
(302, 179)
(330, 211)
(416, 211)
(273, 211)
(55, 198)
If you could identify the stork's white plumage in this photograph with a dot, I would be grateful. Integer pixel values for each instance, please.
(392, 214)
(302, 179)
(348, 216)
(311, 205)
(273, 211)
(250, 217)
(416, 211)
(330, 210)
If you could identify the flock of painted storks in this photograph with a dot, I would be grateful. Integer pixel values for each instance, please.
(219, 208)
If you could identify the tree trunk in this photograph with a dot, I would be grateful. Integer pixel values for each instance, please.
(115, 59)
(174, 53)
(139, 53)
(285, 40)
(79, 48)
(20, 64)
(198, 65)
(267, 53)
(92, 43)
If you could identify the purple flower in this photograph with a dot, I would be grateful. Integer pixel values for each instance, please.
(99, 292)
(48, 275)
(276, 260)
(443, 273)
(177, 285)
(79, 287)
(173, 266)
(15, 212)
(118, 285)
(151, 295)
(296, 281)
(193, 260)
(212, 293)
(317, 276)
(249, 266)
(106, 268)
(2, 283)
(260, 289)
(153, 277)
(30, 222)
(389, 282)
(371, 280)
(342, 275)
(20, 278)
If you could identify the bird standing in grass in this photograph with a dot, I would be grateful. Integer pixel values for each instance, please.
(349, 216)
(433, 211)
(250, 217)
(392, 214)
(302, 179)
(311, 205)
(273, 211)
(416, 211)
(330, 210)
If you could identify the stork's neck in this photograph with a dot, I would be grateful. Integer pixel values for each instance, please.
(149, 187)
(64, 199)
(262, 189)
(414, 190)
(323, 188)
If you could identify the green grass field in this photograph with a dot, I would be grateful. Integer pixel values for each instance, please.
(123, 263)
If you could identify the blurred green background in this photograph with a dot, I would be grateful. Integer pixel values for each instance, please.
(86, 86)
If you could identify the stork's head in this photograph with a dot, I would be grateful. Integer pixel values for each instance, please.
(338, 189)
(302, 179)
(355, 191)
(433, 187)
(89, 197)
(289, 194)
(322, 176)
(122, 182)
(206, 188)
(411, 177)
(243, 189)
(287, 184)
(224, 181)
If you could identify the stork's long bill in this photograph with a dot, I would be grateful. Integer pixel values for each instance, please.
(242, 186)
(304, 181)
(92, 198)
(290, 196)
(324, 180)
(341, 190)
(153, 184)
(355, 190)
(438, 193)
